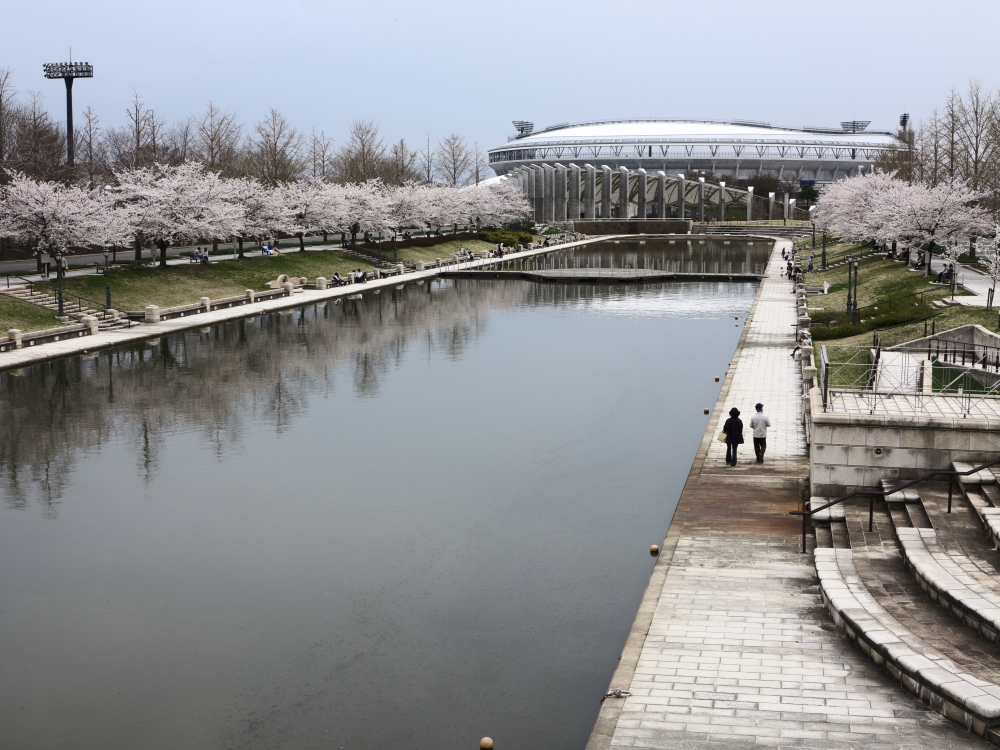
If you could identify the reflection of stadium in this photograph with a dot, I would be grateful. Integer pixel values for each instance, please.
(739, 148)
(654, 168)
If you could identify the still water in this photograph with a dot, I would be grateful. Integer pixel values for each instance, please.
(409, 519)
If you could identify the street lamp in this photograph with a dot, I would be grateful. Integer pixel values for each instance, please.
(60, 315)
(852, 286)
(68, 72)
(107, 281)
(824, 251)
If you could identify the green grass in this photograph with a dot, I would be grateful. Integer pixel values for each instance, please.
(445, 251)
(184, 284)
(15, 313)
(950, 317)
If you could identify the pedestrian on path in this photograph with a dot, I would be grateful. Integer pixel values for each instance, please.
(759, 424)
(733, 428)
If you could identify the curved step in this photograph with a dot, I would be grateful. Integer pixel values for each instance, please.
(948, 584)
(935, 679)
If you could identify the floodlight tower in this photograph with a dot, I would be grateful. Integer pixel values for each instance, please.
(69, 71)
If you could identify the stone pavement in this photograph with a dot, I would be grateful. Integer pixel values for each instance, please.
(731, 647)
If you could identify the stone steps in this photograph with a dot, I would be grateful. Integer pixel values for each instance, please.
(73, 310)
(937, 680)
(914, 603)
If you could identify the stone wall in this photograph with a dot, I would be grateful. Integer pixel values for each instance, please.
(634, 226)
(842, 455)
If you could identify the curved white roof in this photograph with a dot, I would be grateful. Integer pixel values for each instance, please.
(692, 130)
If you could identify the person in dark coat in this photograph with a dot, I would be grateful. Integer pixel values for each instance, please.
(733, 428)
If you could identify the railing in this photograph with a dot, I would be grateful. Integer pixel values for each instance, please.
(897, 380)
(872, 494)
(829, 320)
(93, 307)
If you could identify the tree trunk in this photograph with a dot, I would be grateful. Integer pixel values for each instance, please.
(163, 252)
(326, 236)
(239, 244)
(215, 245)
(138, 250)
(927, 258)
(302, 242)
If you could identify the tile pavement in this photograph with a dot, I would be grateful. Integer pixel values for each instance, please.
(731, 647)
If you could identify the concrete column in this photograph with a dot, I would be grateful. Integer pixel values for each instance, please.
(701, 199)
(205, 304)
(623, 192)
(560, 192)
(289, 288)
(152, 314)
(91, 322)
(549, 196)
(14, 335)
(419, 265)
(750, 204)
(589, 187)
(791, 208)
(722, 201)
(249, 295)
(681, 191)
(784, 202)
(320, 282)
(661, 195)
(538, 178)
(605, 192)
(640, 182)
(573, 206)
(770, 206)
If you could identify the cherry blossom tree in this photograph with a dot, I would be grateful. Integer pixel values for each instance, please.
(303, 200)
(990, 260)
(50, 216)
(260, 212)
(165, 204)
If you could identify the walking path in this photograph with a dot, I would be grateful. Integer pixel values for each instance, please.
(731, 647)
(29, 355)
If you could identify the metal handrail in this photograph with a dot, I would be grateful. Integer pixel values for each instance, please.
(100, 305)
(872, 494)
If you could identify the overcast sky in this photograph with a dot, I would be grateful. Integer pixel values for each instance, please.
(444, 66)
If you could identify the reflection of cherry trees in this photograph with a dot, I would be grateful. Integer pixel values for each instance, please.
(218, 382)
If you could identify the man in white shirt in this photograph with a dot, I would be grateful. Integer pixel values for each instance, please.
(759, 424)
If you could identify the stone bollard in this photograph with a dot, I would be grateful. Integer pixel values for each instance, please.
(91, 322)
(152, 314)
(438, 261)
(249, 294)
(400, 268)
(320, 282)
(14, 334)
(205, 303)
(420, 265)
(457, 257)
(289, 288)
(803, 321)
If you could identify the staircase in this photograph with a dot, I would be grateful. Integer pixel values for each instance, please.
(919, 594)
(73, 306)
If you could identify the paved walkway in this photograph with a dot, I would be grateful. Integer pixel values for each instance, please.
(731, 647)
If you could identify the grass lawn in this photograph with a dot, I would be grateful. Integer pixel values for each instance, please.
(182, 285)
(15, 313)
(950, 317)
(445, 251)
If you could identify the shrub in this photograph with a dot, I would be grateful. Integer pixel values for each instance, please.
(507, 237)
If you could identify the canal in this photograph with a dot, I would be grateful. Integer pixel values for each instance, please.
(412, 518)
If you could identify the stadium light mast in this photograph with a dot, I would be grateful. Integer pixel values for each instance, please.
(68, 72)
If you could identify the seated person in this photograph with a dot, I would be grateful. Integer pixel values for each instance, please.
(337, 280)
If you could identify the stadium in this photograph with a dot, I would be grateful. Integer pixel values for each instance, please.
(740, 148)
(661, 169)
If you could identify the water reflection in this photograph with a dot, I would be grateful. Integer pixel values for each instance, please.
(418, 518)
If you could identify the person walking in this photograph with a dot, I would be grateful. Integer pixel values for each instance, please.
(733, 428)
(759, 424)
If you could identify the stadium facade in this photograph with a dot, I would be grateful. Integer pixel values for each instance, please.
(655, 169)
(738, 148)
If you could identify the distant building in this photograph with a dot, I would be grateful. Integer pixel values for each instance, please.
(740, 148)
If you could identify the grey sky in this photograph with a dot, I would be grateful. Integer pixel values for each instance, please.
(470, 67)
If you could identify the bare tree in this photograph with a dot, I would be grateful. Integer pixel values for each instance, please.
(7, 108)
(39, 143)
(90, 148)
(427, 163)
(178, 143)
(319, 156)
(276, 150)
(216, 142)
(401, 165)
(453, 160)
(480, 165)
(363, 156)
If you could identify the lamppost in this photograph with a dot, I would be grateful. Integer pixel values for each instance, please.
(68, 72)
(852, 281)
(107, 280)
(824, 251)
(60, 315)
(812, 221)
(850, 272)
